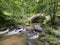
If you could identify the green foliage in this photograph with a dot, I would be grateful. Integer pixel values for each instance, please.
(50, 35)
(15, 11)
(52, 31)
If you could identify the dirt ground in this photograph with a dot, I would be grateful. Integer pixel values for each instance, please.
(16, 40)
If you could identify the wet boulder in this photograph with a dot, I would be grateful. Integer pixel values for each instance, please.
(30, 42)
(39, 28)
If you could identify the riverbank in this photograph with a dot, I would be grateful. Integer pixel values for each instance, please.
(17, 40)
(14, 40)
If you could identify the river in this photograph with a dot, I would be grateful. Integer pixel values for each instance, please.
(20, 37)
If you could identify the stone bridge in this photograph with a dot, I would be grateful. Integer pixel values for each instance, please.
(34, 17)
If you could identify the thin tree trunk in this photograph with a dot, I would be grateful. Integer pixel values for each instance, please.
(54, 13)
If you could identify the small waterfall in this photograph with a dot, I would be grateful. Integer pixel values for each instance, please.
(16, 31)
(32, 35)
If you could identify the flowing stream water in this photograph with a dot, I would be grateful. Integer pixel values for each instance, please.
(30, 36)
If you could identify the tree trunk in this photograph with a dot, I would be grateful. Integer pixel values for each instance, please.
(54, 13)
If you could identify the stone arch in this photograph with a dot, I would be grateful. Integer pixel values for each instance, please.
(34, 18)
